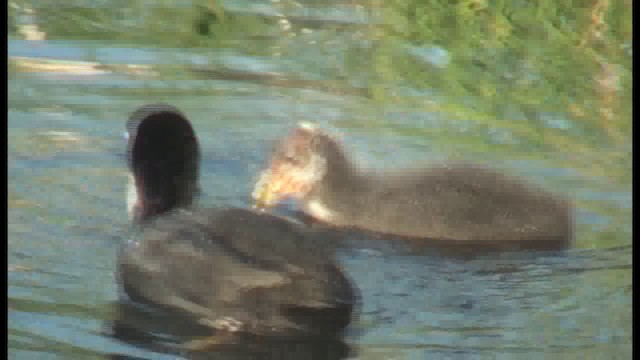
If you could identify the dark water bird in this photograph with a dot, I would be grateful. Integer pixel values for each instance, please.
(227, 274)
(451, 203)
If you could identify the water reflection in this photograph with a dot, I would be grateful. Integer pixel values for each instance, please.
(167, 332)
(491, 305)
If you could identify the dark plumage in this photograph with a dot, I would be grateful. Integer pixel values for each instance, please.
(235, 271)
(238, 270)
(164, 161)
(456, 203)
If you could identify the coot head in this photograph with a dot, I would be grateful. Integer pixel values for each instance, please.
(299, 164)
(163, 158)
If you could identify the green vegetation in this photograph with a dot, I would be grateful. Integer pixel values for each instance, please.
(569, 57)
(526, 79)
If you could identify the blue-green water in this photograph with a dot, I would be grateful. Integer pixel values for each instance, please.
(66, 187)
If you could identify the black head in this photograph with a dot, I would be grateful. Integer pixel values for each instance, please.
(163, 156)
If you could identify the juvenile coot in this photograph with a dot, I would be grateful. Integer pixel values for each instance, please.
(234, 271)
(456, 203)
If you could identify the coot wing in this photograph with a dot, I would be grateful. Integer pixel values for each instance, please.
(239, 270)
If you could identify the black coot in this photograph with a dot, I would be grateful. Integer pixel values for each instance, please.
(231, 271)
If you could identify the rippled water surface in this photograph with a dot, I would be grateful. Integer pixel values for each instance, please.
(243, 85)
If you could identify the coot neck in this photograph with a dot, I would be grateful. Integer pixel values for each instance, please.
(342, 185)
(163, 194)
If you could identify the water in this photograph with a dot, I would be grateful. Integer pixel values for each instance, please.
(66, 188)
